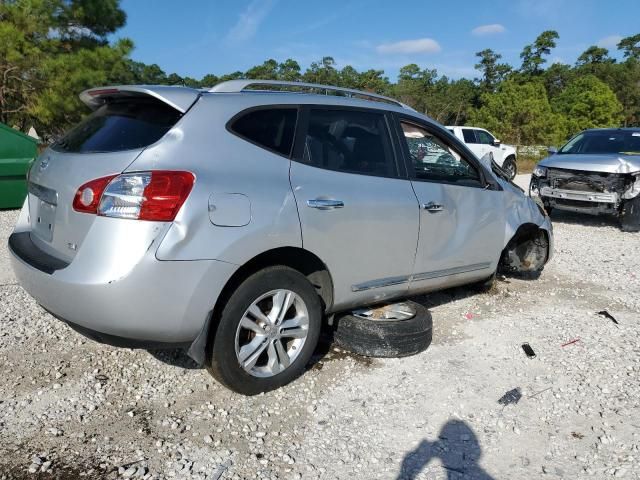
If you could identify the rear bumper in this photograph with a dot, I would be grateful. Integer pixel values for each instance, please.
(149, 302)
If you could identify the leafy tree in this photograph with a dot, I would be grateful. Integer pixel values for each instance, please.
(588, 103)
(289, 70)
(520, 113)
(50, 48)
(267, 71)
(594, 55)
(492, 72)
(58, 105)
(323, 72)
(533, 55)
(630, 46)
(556, 78)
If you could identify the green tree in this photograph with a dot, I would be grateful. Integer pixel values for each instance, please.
(267, 71)
(289, 70)
(594, 55)
(492, 72)
(630, 46)
(587, 102)
(520, 113)
(53, 48)
(323, 72)
(556, 78)
(533, 55)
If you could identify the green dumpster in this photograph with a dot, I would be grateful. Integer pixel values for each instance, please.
(17, 151)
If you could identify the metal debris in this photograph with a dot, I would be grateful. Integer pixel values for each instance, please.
(511, 397)
(606, 314)
(575, 340)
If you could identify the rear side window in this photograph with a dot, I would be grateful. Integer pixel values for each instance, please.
(270, 128)
(120, 125)
(469, 135)
(484, 137)
(349, 141)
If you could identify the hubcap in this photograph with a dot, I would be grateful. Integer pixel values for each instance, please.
(271, 333)
(395, 311)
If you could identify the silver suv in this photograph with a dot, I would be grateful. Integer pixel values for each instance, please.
(233, 220)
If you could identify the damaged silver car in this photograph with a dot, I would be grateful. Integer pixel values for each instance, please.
(596, 172)
(231, 221)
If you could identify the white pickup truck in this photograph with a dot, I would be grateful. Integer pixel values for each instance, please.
(482, 142)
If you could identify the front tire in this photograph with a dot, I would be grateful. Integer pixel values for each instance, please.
(267, 332)
(510, 167)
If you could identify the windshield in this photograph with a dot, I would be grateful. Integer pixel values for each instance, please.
(622, 142)
(120, 125)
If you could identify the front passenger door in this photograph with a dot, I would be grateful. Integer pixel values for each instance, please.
(462, 220)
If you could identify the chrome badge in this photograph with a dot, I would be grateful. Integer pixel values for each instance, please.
(44, 163)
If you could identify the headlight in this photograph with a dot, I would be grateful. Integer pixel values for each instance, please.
(540, 172)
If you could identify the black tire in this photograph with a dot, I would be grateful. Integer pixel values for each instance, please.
(224, 364)
(385, 338)
(510, 166)
(630, 219)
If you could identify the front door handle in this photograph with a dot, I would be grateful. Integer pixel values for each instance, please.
(325, 204)
(432, 207)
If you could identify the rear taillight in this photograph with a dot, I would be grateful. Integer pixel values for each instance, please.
(156, 195)
(88, 195)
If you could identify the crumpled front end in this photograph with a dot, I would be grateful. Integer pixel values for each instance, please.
(584, 191)
(528, 241)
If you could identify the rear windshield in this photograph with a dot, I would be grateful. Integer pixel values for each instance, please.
(613, 141)
(120, 125)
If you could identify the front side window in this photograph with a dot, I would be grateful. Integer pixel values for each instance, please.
(469, 135)
(433, 159)
(484, 137)
(349, 141)
(270, 128)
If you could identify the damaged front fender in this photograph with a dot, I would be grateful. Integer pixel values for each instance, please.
(528, 240)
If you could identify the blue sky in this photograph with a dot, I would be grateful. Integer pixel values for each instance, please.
(196, 37)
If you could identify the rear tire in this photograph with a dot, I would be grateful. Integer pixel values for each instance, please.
(267, 332)
(398, 337)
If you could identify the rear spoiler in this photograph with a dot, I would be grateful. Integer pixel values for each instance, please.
(180, 98)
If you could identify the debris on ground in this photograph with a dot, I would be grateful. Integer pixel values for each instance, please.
(570, 342)
(528, 350)
(511, 397)
(606, 314)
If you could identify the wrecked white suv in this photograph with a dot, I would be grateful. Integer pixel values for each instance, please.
(596, 172)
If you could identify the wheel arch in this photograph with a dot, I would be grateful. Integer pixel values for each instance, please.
(307, 263)
(527, 251)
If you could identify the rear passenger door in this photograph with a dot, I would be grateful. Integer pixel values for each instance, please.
(357, 208)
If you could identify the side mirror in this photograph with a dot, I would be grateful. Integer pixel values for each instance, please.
(496, 142)
(552, 150)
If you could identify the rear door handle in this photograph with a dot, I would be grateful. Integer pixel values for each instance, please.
(325, 204)
(432, 207)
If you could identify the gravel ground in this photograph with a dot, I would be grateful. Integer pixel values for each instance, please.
(72, 408)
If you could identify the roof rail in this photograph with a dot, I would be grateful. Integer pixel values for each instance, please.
(237, 86)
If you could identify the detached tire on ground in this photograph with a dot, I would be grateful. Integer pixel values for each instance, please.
(395, 330)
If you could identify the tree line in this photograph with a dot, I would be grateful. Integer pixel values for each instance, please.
(50, 50)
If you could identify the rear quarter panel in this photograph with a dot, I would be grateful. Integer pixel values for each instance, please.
(224, 164)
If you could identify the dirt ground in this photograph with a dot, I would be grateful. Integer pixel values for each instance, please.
(472, 406)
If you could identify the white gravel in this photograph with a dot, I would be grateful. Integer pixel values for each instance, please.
(72, 408)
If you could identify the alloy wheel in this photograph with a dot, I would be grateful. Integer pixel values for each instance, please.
(271, 333)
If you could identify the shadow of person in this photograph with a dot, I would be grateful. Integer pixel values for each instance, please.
(457, 448)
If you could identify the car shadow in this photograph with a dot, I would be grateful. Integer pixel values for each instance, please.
(575, 218)
(176, 357)
(325, 349)
(457, 448)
